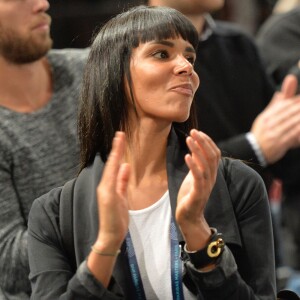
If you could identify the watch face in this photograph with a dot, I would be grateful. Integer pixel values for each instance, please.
(207, 255)
(215, 248)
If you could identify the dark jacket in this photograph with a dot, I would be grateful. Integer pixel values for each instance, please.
(238, 207)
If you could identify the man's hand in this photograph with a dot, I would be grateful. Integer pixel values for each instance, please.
(277, 127)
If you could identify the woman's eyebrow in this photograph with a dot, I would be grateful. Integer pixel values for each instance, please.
(163, 42)
(171, 44)
(190, 49)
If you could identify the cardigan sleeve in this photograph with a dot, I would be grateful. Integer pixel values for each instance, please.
(51, 275)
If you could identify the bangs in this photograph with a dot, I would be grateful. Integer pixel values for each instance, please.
(162, 24)
(143, 24)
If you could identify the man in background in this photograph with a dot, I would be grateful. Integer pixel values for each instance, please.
(38, 147)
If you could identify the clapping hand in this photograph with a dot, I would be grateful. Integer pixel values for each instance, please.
(196, 188)
(277, 128)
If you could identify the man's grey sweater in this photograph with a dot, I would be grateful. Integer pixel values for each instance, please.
(38, 151)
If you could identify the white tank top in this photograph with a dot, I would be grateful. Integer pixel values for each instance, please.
(150, 233)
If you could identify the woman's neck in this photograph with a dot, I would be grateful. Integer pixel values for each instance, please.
(146, 151)
(146, 154)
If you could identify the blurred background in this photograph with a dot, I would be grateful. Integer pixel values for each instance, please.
(74, 21)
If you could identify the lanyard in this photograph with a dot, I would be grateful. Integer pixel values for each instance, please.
(176, 268)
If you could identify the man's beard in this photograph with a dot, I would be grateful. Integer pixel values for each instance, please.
(18, 50)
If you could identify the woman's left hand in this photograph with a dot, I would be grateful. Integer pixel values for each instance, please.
(195, 190)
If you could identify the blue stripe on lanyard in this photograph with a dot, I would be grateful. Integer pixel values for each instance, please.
(134, 269)
(176, 268)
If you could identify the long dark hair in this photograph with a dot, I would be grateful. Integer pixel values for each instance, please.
(103, 106)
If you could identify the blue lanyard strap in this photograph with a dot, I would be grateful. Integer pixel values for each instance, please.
(134, 269)
(176, 267)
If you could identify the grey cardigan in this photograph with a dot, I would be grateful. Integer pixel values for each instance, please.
(238, 207)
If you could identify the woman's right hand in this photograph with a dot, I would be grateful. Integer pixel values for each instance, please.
(113, 212)
(112, 198)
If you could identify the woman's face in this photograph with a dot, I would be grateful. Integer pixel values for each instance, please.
(163, 79)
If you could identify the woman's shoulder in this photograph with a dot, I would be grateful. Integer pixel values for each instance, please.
(236, 169)
(46, 204)
(43, 219)
(246, 187)
(51, 204)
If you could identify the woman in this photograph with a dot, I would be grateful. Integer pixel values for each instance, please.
(149, 183)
